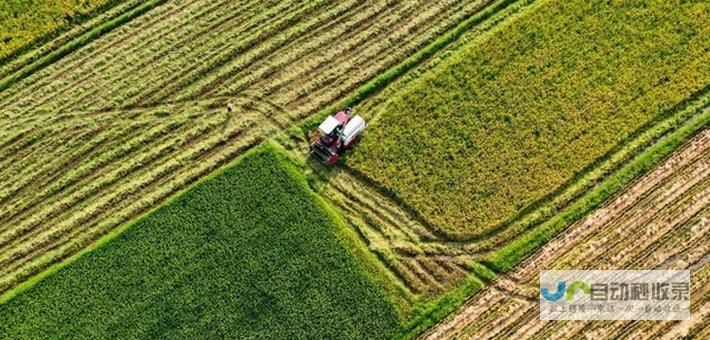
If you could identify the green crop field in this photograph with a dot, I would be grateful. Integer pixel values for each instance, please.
(247, 253)
(522, 111)
(23, 22)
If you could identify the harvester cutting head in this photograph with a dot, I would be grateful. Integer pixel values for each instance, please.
(336, 134)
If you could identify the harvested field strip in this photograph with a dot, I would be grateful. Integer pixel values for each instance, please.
(80, 189)
(323, 89)
(74, 203)
(223, 50)
(144, 52)
(266, 44)
(332, 37)
(669, 203)
(152, 35)
(123, 150)
(346, 56)
(125, 83)
(329, 56)
(187, 259)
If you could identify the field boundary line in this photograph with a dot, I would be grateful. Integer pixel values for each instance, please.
(77, 43)
(5, 297)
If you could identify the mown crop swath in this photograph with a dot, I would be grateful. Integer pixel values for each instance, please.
(116, 126)
(248, 252)
(657, 222)
(504, 125)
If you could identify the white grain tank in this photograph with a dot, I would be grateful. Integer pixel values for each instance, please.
(353, 129)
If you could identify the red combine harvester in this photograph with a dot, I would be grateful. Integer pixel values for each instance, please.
(336, 134)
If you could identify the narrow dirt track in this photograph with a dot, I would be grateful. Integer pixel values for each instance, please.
(661, 221)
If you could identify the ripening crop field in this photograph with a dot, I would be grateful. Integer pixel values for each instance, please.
(518, 113)
(247, 253)
(22, 22)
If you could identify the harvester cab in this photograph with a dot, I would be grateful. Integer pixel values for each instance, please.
(336, 134)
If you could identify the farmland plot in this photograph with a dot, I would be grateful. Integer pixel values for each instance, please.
(111, 129)
(247, 253)
(518, 114)
(659, 222)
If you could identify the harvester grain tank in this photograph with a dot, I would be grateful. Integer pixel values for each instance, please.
(336, 134)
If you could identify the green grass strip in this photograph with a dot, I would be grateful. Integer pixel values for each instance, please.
(77, 43)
